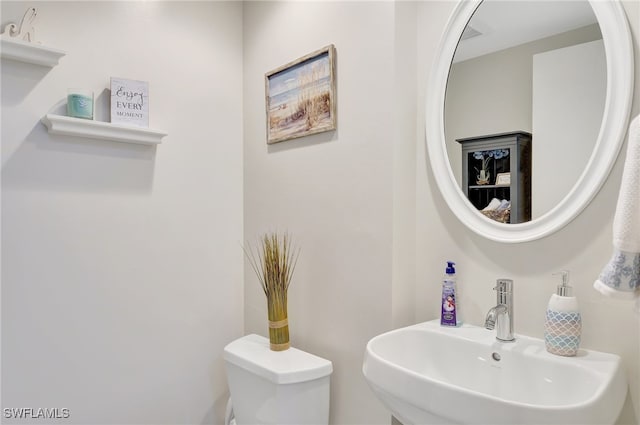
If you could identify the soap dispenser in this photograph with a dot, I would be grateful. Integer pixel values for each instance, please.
(563, 323)
(450, 313)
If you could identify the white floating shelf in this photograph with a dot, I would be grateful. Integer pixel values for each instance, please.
(69, 126)
(32, 53)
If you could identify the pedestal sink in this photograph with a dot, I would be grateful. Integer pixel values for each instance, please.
(429, 374)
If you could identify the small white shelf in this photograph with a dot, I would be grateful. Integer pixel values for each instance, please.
(32, 53)
(69, 126)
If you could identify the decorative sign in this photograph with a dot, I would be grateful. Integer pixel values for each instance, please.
(130, 102)
(503, 179)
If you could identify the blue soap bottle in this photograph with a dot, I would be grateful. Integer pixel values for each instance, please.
(450, 306)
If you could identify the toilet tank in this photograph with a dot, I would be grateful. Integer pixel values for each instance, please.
(276, 387)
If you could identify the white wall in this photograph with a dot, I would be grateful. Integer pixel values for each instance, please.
(406, 131)
(122, 272)
(333, 191)
(583, 247)
(569, 79)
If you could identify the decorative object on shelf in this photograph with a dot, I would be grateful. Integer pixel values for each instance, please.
(26, 31)
(483, 174)
(501, 216)
(301, 97)
(503, 179)
(18, 43)
(129, 102)
(80, 103)
(498, 210)
(274, 262)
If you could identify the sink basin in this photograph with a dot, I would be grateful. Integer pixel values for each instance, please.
(429, 374)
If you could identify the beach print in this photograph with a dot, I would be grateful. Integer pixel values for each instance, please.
(300, 98)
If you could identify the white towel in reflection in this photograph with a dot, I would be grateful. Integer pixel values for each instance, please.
(620, 278)
(495, 203)
(504, 204)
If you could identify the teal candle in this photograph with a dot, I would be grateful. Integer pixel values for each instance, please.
(80, 104)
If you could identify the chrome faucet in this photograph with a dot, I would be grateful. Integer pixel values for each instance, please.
(502, 313)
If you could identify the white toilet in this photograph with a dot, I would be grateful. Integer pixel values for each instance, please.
(275, 387)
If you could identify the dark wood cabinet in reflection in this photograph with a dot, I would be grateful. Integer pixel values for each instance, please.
(496, 175)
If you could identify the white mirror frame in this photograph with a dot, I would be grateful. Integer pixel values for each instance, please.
(619, 53)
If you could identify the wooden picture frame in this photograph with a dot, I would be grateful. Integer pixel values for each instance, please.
(300, 96)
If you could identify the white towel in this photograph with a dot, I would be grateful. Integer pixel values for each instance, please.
(620, 278)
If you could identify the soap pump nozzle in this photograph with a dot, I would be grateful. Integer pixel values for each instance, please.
(564, 290)
(450, 268)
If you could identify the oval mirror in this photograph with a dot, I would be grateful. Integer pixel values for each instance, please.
(525, 122)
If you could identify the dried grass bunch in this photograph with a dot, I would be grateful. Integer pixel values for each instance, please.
(274, 262)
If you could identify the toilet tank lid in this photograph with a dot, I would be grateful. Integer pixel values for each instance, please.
(252, 353)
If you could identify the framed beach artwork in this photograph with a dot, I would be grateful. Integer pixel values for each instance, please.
(301, 97)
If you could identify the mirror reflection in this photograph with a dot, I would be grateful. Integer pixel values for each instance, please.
(524, 105)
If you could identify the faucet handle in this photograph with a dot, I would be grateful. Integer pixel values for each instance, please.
(504, 285)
